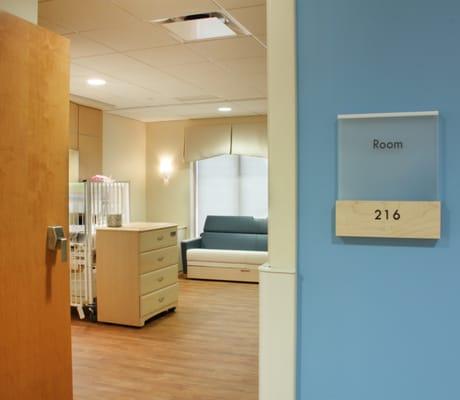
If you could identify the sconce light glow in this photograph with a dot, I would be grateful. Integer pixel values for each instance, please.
(224, 109)
(166, 168)
(96, 82)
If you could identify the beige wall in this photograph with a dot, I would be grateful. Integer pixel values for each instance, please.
(26, 9)
(123, 158)
(171, 202)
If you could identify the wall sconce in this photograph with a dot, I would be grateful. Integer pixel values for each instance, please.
(166, 169)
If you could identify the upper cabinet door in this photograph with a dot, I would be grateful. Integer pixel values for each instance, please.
(73, 126)
(89, 121)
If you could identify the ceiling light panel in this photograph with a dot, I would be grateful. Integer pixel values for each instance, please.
(200, 29)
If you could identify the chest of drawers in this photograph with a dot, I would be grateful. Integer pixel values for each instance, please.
(136, 272)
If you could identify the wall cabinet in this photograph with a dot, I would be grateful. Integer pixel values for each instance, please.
(90, 162)
(89, 121)
(73, 126)
(85, 135)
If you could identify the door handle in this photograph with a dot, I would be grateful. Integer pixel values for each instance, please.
(56, 240)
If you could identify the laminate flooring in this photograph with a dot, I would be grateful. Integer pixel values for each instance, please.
(206, 350)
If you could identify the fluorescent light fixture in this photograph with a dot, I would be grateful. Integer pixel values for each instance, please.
(96, 82)
(224, 109)
(202, 26)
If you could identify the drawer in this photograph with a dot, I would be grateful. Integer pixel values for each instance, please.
(158, 300)
(156, 259)
(157, 239)
(158, 279)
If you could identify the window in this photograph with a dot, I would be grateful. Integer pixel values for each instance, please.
(231, 185)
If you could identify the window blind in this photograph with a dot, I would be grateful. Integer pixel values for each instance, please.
(201, 142)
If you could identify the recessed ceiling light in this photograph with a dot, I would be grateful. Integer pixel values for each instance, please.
(96, 82)
(224, 109)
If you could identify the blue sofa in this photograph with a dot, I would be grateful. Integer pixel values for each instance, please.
(230, 248)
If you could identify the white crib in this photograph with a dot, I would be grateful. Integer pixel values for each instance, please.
(89, 205)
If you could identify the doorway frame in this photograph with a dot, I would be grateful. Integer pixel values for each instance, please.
(278, 278)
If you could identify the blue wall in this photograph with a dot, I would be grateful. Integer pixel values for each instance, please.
(378, 320)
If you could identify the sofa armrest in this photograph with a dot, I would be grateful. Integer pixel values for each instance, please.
(188, 244)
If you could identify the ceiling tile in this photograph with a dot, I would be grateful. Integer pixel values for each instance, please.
(78, 70)
(258, 106)
(83, 47)
(125, 68)
(54, 27)
(202, 74)
(246, 66)
(260, 82)
(236, 91)
(150, 114)
(138, 35)
(157, 9)
(225, 49)
(150, 75)
(228, 4)
(84, 15)
(217, 80)
(117, 93)
(167, 56)
(252, 18)
(203, 110)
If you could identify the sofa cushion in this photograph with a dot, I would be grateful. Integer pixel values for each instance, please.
(226, 257)
(235, 224)
(234, 241)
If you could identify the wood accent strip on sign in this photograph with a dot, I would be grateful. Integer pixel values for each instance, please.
(389, 219)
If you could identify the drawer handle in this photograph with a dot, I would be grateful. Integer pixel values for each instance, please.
(161, 299)
(244, 270)
(160, 238)
(160, 259)
(161, 279)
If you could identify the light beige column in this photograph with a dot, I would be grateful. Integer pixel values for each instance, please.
(278, 287)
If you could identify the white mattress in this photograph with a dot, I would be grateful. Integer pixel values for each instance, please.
(221, 258)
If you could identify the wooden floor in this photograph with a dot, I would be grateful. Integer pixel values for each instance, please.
(207, 350)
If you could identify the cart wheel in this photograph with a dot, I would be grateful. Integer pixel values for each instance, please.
(92, 313)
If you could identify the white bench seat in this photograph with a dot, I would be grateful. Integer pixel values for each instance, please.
(227, 265)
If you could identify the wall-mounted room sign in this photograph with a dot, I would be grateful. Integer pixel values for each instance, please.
(388, 175)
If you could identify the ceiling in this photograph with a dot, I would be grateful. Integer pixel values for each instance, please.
(151, 75)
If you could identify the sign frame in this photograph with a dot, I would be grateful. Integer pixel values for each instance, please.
(388, 218)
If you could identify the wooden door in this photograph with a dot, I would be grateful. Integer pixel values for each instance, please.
(35, 349)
